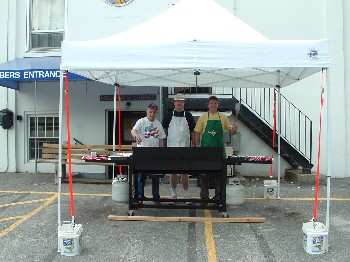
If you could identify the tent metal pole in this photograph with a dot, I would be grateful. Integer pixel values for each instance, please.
(60, 141)
(329, 147)
(114, 123)
(279, 133)
(160, 103)
(114, 114)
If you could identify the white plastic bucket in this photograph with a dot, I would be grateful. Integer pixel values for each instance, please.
(120, 191)
(315, 237)
(234, 193)
(270, 188)
(70, 239)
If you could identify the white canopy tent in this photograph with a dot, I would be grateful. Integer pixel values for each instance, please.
(196, 36)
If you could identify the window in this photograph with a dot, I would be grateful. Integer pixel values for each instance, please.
(46, 24)
(193, 90)
(47, 132)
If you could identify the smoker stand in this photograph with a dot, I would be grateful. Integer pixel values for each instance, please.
(196, 161)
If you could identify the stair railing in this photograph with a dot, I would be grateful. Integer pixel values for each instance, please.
(296, 127)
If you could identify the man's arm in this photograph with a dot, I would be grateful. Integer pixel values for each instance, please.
(133, 133)
(196, 139)
(161, 143)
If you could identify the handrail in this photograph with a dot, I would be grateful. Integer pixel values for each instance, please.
(296, 127)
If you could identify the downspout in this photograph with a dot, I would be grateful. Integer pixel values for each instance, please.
(8, 30)
(65, 37)
(7, 90)
(7, 137)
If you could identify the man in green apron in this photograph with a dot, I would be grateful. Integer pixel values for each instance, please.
(212, 125)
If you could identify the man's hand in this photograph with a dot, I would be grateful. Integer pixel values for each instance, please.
(138, 139)
(234, 129)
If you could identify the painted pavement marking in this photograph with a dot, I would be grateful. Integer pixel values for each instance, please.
(210, 243)
(22, 219)
(209, 238)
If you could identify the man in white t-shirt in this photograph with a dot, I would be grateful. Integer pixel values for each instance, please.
(148, 132)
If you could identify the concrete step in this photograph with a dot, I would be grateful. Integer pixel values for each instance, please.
(296, 176)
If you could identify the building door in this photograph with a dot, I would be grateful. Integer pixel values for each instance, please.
(128, 120)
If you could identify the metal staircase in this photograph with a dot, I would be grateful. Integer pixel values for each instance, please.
(256, 112)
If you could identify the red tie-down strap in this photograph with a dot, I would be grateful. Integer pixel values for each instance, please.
(319, 152)
(273, 130)
(69, 149)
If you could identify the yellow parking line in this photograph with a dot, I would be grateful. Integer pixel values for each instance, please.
(298, 199)
(24, 218)
(51, 193)
(209, 239)
(10, 218)
(25, 202)
(27, 192)
(247, 198)
(87, 194)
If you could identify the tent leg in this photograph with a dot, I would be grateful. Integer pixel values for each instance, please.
(279, 134)
(60, 128)
(329, 147)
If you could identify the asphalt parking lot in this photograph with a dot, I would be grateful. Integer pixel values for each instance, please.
(29, 224)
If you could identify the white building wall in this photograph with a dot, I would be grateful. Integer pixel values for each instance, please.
(92, 19)
(338, 119)
(87, 113)
(8, 32)
(346, 41)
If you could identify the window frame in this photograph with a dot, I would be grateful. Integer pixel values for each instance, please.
(40, 139)
(31, 33)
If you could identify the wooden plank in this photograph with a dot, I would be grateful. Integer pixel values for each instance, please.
(42, 161)
(76, 163)
(189, 219)
(73, 146)
(88, 180)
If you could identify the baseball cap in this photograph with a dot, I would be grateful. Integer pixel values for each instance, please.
(179, 97)
(153, 105)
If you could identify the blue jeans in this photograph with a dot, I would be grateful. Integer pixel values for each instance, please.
(141, 179)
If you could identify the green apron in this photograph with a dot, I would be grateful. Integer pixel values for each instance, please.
(214, 135)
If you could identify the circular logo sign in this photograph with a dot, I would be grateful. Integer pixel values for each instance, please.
(118, 3)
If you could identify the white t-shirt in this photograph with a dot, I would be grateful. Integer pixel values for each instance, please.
(150, 132)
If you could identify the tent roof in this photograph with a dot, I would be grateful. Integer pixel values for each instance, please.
(31, 69)
(194, 36)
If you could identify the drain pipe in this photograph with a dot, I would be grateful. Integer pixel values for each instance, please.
(7, 90)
